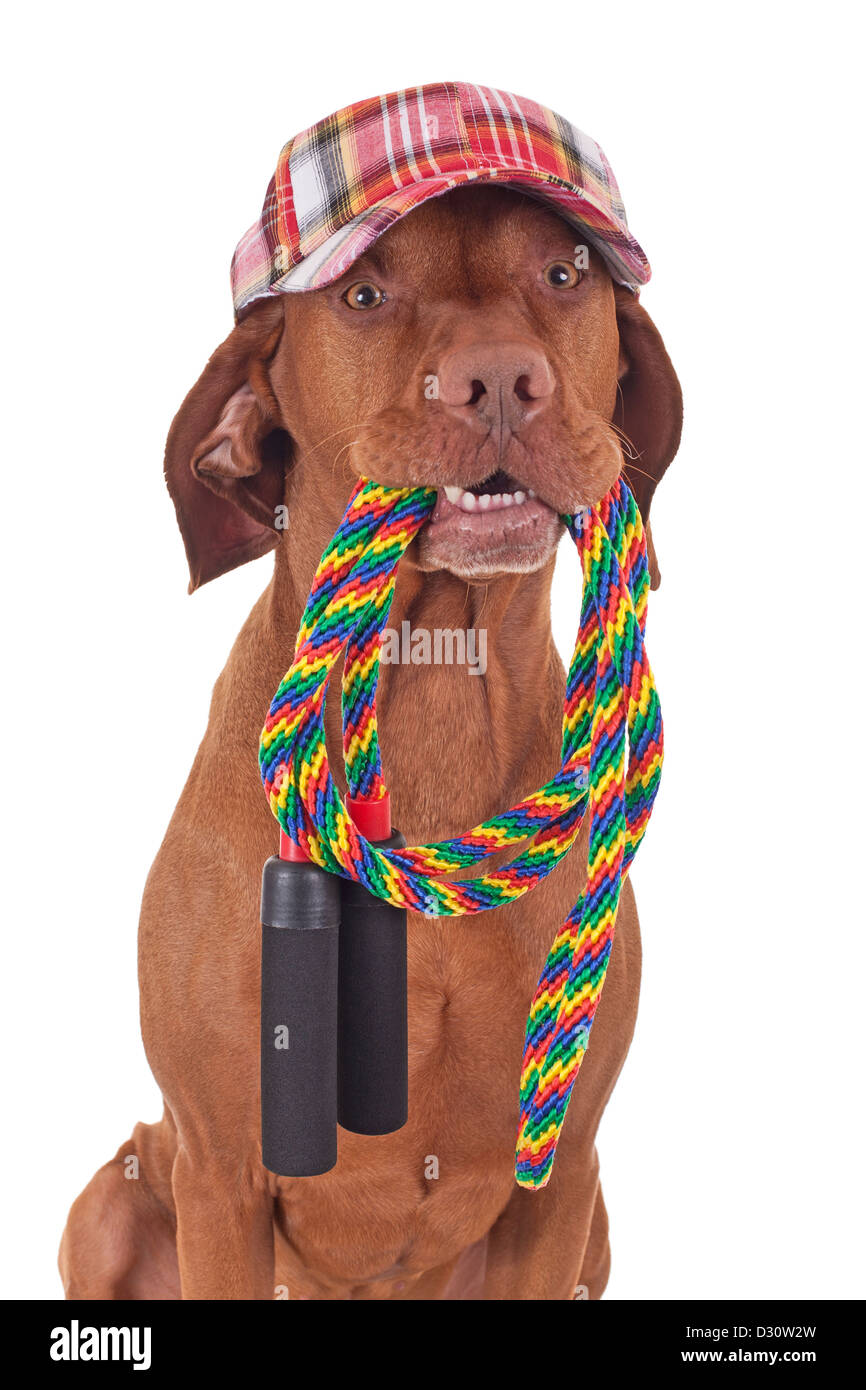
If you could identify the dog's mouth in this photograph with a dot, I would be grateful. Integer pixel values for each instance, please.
(495, 494)
(496, 526)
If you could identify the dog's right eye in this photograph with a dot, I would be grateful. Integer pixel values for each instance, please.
(561, 275)
(364, 296)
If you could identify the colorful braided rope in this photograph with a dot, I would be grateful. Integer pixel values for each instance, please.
(611, 762)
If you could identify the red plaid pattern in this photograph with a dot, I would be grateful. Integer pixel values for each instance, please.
(342, 183)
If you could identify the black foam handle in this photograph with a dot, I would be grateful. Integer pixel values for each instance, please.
(373, 1035)
(300, 932)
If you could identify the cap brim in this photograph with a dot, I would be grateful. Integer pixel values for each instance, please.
(334, 255)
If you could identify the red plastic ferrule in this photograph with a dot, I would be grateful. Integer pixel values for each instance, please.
(289, 850)
(373, 818)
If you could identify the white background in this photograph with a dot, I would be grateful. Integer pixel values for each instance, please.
(139, 144)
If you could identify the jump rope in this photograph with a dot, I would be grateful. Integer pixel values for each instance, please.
(334, 902)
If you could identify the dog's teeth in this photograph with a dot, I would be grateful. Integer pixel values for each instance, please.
(467, 501)
(507, 499)
(520, 497)
(454, 494)
(531, 492)
(484, 501)
(496, 499)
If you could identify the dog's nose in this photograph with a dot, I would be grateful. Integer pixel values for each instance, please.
(496, 385)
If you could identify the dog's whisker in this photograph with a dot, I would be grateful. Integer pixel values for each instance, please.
(340, 453)
(633, 468)
(631, 450)
(308, 453)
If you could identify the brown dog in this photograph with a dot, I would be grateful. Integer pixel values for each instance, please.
(539, 379)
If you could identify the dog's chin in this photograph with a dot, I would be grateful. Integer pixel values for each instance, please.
(509, 523)
(479, 535)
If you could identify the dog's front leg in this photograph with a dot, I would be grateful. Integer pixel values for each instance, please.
(225, 1226)
(536, 1249)
(199, 972)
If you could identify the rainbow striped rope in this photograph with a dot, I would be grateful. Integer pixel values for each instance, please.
(611, 762)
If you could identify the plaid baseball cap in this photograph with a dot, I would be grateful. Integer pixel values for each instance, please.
(342, 183)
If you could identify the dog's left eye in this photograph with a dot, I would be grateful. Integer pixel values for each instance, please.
(364, 296)
(562, 275)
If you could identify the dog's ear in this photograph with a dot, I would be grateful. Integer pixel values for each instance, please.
(649, 409)
(226, 452)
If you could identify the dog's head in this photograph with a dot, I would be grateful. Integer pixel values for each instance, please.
(479, 347)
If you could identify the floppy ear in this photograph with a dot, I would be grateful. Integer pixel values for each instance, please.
(649, 408)
(226, 452)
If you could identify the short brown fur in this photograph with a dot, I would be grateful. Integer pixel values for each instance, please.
(302, 397)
